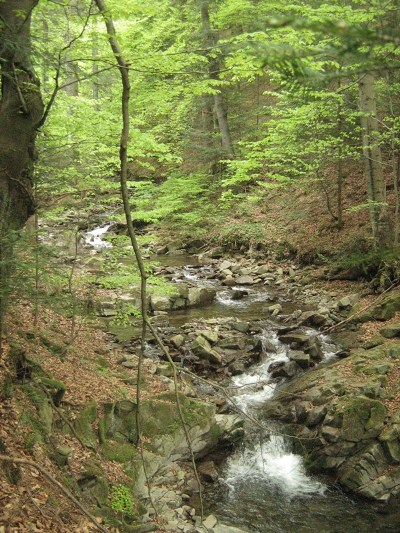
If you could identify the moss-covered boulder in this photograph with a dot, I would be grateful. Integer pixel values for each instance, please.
(363, 418)
(385, 309)
(83, 425)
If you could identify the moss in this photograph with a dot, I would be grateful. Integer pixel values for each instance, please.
(39, 398)
(362, 418)
(83, 425)
(118, 451)
(55, 387)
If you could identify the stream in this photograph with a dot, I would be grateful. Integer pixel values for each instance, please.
(263, 485)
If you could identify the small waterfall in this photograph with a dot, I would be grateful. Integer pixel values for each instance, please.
(94, 238)
(269, 462)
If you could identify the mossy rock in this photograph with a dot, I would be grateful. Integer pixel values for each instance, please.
(389, 332)
(83, 425)
(55, 388)
(118, 451)
(382, 311)
(93, 484)
(119, 422)
(45, 412)
(363, 418)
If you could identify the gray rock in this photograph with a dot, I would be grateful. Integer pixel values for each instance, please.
(198, 296)
(207, 471)
(229, 281)
(245, 280)
(160, 303)
(209, 334)
(301, 358)
(225, 265)
(202, 348)
(210, 521)
(177, 340)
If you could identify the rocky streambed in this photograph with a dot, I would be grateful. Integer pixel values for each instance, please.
(298, 411)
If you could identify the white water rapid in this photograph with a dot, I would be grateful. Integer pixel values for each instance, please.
(94, 238)
(269, 460)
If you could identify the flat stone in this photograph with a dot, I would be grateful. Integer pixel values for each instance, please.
(210, 521)
(245, 280)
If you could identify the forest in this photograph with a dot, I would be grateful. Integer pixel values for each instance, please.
(199, 266)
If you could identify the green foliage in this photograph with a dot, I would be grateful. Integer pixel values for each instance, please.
(122, 500)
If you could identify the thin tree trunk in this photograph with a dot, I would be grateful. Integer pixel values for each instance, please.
(395, 165)
(214, 73)
(373, 170)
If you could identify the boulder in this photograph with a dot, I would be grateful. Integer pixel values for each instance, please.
(391, 331)
(177, 340)
(202, 348)
(301, 358)
(312, 318)
(209, 334)
(207, 471)
(225, 265)
(385, 309)
(160, 303)
(298, 338)
(198, 296)
(229, 281)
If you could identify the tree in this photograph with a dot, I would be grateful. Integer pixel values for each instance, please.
(373, 169)
(21, 109)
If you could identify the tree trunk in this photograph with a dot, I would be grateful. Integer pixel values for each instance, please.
(21, 108)
(373, 170)
(214, 71)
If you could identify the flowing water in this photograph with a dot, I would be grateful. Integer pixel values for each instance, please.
(264, 486)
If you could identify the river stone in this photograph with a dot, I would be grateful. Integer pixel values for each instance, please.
(242, 327)
(245, 280)
(229, 281)
(160, 303)
(225, 265)
(209, 334)
(207, 471)
(301, 358)
(294, 338)
(311, 318)
(177, 340)
(210, 521)
(314, 349)
(202, 348)
(274, 309)
(390, 331)
(200, 296)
